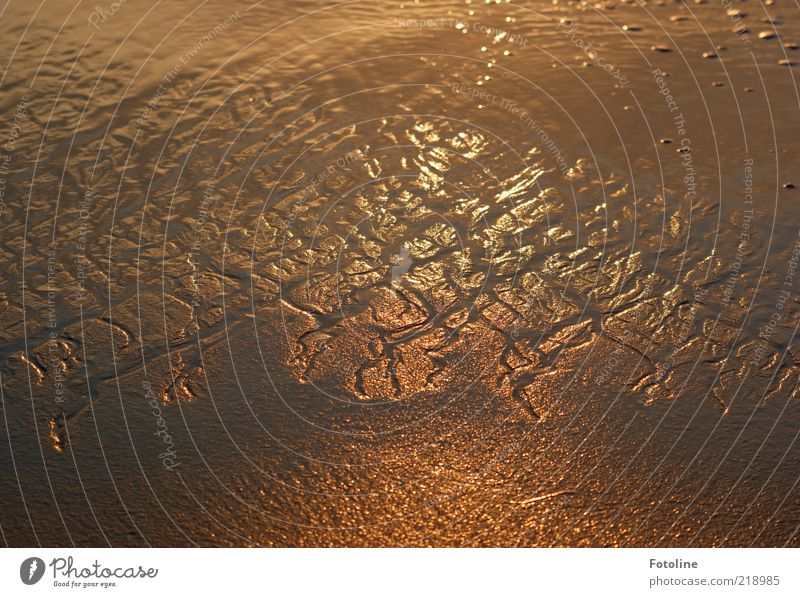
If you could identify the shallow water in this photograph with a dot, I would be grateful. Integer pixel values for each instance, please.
(380, 273)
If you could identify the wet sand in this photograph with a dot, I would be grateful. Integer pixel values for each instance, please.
(400, 274)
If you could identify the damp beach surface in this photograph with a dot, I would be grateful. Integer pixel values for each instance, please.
(441, 273)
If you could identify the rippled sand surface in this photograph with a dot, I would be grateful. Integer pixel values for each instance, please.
(384, 274)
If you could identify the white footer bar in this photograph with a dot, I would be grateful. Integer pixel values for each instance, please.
(401, 572)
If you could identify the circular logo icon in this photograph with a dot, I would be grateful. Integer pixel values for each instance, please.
(32, 570)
